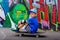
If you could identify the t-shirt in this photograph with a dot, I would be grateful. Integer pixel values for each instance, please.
(33, 23)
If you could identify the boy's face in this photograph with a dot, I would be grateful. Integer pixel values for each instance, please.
(32, 15)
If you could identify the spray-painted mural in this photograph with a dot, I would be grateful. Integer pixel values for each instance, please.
(11, 11)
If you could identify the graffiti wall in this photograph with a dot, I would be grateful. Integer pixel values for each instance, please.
(11, 11)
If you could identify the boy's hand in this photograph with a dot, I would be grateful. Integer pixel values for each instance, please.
(26, 24)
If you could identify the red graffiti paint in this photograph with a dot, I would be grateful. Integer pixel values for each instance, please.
(38, 15)
(54, 14)
(42, 2)
(40, 9)
(46, 12)
(59, 11)
(31, 1)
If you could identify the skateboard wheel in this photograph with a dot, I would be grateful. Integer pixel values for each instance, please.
(20, 35)
(37, 36)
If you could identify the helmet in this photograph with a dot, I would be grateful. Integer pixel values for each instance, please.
(32, 10)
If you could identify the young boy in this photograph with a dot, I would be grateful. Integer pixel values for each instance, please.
(32, 22)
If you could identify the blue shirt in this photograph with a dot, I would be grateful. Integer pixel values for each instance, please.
(33, 23)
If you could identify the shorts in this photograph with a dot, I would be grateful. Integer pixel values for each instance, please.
(27, 28)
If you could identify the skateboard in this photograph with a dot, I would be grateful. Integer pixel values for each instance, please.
(37, 34)
(26, 33)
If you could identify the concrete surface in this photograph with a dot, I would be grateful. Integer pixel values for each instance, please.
(7, 34)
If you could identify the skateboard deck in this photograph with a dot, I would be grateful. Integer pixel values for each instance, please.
(37, 34)
(26, 33)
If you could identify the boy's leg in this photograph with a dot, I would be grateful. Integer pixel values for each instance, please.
(27, 28)
(17, 29)
(23, 29)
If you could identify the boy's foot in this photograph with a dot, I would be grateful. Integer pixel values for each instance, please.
(15, 30)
